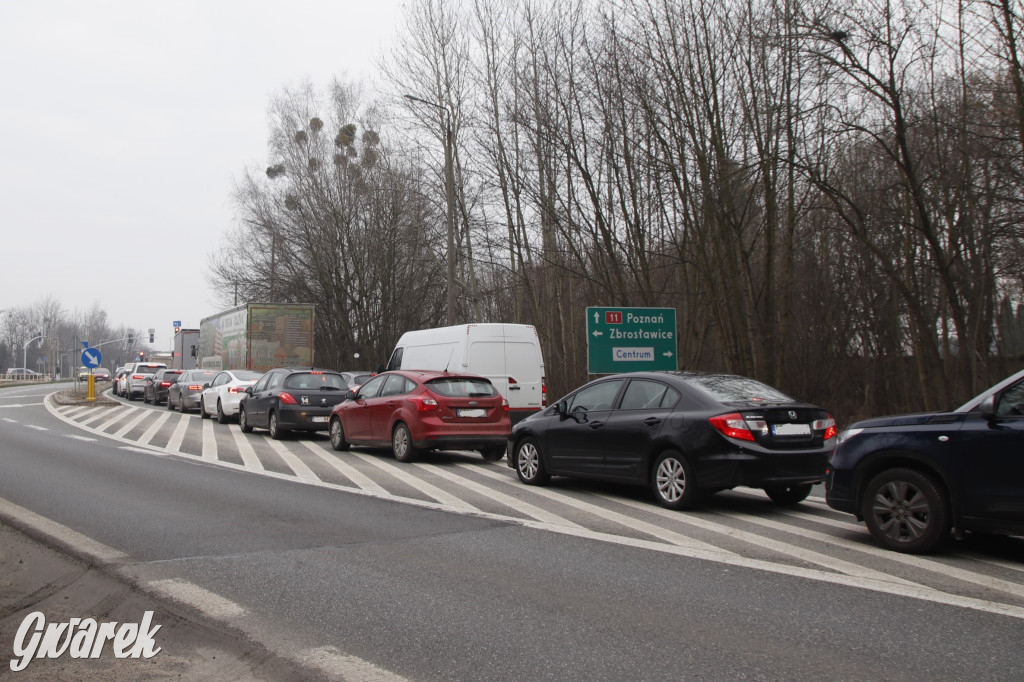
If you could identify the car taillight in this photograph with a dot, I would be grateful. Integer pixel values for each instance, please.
(828, 425)
(732, 425)
(287, 398)
(138, 376)
(504, 405)
(425, 402)
(165, 384)
(195, 387)
(236, 389)
(512, 381)
(543, 392)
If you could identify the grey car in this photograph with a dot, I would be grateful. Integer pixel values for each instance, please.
(186, 391)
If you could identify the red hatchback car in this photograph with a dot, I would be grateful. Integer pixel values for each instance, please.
(420, 410)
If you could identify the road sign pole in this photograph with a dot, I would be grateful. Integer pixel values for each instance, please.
(91, 395)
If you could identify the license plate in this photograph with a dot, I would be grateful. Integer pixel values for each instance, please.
(476, 412)
(791, 430)
(320, 419)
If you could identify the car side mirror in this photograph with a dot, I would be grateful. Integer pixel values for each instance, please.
(988, 407)
(562, 409)
(248, 390)
(206, 386)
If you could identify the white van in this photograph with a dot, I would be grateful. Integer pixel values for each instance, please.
(507, 354)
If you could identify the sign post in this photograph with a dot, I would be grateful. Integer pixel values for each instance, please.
(91, 358)
(631, 340)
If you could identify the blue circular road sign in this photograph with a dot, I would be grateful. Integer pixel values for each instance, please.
(92, 357)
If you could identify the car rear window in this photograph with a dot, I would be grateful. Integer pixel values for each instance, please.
(312, 381)
(462, 387)
(147, 369)
(736, 389)
(201, 376)
(246, 375)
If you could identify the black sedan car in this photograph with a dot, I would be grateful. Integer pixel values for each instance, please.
(913, 478)
(681, 433)
(156, 386)
(291, 399)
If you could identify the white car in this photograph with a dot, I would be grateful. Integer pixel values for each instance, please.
(225, 393)
(135, 381)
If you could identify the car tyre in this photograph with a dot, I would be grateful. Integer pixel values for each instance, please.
(181, 404)
(202, 409)
(276, 432)
(129, 395)
(221, 417)
(401, 444)
(493, 454)
(906, 511)
(529, 463)
(673, 482)
(243, 423)
(789, 495)
(145, 398)
(337, 431)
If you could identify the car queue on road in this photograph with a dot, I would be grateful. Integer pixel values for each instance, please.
(913, 480)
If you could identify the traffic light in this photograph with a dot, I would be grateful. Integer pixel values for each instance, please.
(141, 355)
(151, 336)
(131, 339)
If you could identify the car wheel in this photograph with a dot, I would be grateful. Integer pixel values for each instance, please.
(129, 395)
(493, 454)
(529, 465)
(789, 495)
(221, 417)
(169, 405)
(337, 432)
(145, 398)
(202, 409)
(401, 444)
(276, 432)
(243, 422)
(673, 482)
(181, 404)
(905, 510)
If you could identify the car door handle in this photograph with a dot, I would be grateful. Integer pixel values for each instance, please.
(651, 421)
(596, 425)
(515, 388)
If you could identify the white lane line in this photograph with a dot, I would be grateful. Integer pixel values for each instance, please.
(291, 459)
(872, 550)
(77, 437)
(210, 603)
(490, 493)
(91, 415)
(357, 477)
(36, 428)
(783, 548)
(118, 414)
(132, 424)
(61, 533)
(209, 441)
(21, 405)
(245, 449)
(335, 665)
(10, 421)
(428, 489)
(71, 409)
(663, 534)
(179, 433)
(152, 430)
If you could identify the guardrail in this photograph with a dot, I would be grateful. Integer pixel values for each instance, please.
(25, 378)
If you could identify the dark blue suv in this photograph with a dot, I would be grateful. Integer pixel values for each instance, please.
(913, 478)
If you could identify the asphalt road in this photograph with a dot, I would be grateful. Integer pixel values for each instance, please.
(349, 586)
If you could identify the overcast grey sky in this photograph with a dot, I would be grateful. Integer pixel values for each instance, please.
(123, 126)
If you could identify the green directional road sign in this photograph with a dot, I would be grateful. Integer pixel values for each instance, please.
(631, 340)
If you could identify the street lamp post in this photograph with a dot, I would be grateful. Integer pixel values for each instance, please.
(24, 350)
(449, 181)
